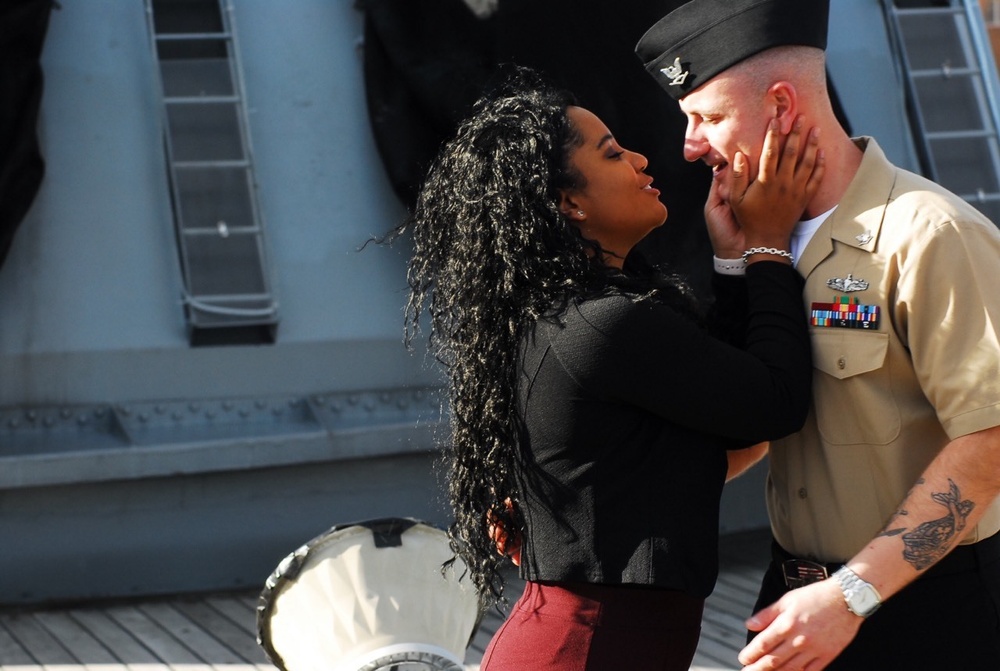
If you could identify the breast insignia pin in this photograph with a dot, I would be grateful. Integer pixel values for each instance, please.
(847, 284)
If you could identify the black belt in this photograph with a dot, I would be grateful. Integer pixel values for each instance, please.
(800, 572)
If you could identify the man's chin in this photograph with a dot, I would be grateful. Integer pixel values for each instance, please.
(721, 177)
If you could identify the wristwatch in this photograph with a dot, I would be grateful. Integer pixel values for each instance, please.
(862, 598)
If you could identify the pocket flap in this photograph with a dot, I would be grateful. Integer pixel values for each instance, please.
(844, 353)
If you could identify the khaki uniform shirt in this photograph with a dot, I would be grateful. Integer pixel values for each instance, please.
(890, 395)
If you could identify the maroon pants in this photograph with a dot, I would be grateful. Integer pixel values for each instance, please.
(584, 627)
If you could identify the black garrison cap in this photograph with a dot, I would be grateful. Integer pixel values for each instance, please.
(701, 38)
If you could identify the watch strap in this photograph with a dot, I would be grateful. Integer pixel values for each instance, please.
(852, 585)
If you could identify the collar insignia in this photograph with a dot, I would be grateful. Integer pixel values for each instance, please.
(676, 72)
(864, 238)
(848, 284)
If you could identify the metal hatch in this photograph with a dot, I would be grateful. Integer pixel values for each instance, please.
(951, 86)
(220, 237)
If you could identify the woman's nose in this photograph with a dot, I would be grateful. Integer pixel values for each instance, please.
(639, 162)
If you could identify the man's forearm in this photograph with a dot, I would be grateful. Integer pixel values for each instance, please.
(952, 495)
(811, 625)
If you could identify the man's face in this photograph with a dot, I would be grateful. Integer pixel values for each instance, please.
(724, 116)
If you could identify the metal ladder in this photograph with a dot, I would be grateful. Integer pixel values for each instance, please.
(950, 77)
(227, 290)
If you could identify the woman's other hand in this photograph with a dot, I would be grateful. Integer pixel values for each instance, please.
(508, 543)
(724, 232)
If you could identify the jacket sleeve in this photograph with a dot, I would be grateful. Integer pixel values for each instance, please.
(727, 315)
(644, 354)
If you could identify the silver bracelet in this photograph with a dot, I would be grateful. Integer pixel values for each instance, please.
(768, 250)
(729, 266)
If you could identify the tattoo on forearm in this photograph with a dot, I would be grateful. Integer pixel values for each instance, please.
(931, 540)
(889, 529)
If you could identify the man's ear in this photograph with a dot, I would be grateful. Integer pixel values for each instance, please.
(784, 102)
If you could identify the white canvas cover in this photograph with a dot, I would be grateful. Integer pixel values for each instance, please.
(368, 596)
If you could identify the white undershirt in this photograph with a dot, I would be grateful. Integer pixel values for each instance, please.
(801, 235)
(804, 231)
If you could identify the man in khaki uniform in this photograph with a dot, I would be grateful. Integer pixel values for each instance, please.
(884, 508)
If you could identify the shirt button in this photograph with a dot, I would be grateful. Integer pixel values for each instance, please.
(803, 493)
(841, 363)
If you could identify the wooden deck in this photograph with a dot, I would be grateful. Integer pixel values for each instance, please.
(216, 632)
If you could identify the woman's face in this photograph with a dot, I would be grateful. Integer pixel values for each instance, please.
(616, 207)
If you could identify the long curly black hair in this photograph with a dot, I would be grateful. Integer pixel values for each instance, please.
(494, 254)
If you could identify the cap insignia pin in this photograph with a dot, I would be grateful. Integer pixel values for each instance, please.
(847, 284)
(676, 72)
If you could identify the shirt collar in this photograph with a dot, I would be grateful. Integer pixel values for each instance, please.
(857, 220)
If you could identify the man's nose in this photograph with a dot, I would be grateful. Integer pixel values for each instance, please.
(694, 148)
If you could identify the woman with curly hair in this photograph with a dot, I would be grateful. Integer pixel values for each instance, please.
(594, 396)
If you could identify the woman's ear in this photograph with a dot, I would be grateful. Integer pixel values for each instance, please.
(570, 208)
(784, 102)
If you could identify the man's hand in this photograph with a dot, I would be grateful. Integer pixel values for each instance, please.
(803, 631)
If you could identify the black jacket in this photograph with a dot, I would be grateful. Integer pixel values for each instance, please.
(629, 408)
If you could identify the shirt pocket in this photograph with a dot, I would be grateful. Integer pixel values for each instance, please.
(852, 388)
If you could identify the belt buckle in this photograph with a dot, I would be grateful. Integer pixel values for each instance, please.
(801, 572)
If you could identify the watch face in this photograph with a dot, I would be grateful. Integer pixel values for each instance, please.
(863, 600)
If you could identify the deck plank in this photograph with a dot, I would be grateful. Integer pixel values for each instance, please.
(122, 644)
(75, 639)
(249, 601)
(240, 640)
(43, 648)
(234, 606)
(160, 642)
(11, 652)
(196, 639)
